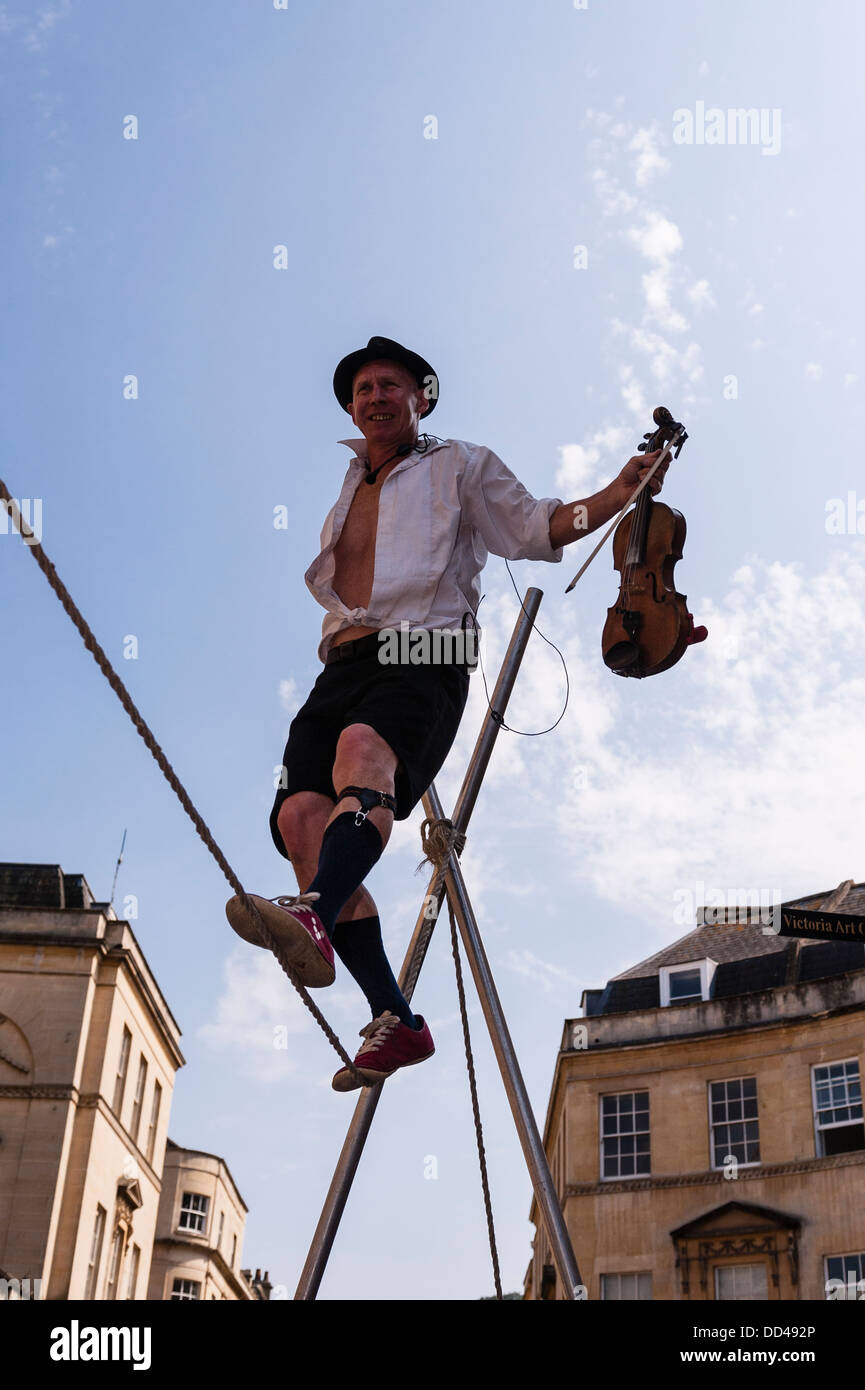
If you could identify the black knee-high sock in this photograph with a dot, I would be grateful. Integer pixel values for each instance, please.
(348, 852)
(359, 946)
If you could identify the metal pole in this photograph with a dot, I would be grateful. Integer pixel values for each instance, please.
(533, 1149)
(349, 1158)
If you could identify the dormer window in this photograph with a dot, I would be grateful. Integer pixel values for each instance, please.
(687, 983)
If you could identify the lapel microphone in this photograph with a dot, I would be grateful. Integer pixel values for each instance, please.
(372, 474)
(421, 444)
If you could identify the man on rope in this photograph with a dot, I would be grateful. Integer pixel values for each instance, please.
(400, 554)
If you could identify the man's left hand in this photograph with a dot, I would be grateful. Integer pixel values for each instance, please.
(636, 469)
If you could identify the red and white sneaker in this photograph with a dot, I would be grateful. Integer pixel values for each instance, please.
(298, 930)
(390, 1044)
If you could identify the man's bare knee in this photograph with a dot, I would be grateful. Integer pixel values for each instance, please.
(360, 751)
(301, 821)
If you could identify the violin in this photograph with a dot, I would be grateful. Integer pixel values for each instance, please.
(649, 627)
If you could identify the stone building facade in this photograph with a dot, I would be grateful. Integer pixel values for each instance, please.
(199, 1232)
(89, 1051)
(705, 1126)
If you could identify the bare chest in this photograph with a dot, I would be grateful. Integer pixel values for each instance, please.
(354, 552)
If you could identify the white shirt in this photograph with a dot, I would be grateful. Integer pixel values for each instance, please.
(440, 514)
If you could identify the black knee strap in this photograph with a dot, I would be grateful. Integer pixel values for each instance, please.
(368, 800)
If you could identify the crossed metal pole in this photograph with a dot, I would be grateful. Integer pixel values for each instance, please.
(458, 898)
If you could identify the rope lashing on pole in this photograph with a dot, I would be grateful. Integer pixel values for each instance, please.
(437, 838)
(440, 839)
(167, 770)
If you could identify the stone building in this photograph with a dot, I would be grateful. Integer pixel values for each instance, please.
(705, 1125)
(199, 1232)
(89, 1050)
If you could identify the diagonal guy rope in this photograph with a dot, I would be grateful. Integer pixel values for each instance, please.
(167, 770)
(439, 838)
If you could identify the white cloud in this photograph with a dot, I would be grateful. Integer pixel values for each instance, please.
(649, 161)
(289, 698)
(700, 293)
(620, 182)
(632, 392)
(257, 1000)
(542, 973)
(581, 470)
(34, 33)
(813, 371)
(743, 767)
(49, 16)
(658, 238)
(615, 202)
(661, 354)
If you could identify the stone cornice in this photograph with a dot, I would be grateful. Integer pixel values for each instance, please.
(210, 1253)
(87, 1101)
(656, 1040)
(36, 1092)
(10, 937)
(715, 1176)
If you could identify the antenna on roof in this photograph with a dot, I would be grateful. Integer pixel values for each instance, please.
(117, 869)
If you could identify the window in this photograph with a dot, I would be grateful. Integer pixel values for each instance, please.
(134, 1259)
(838, 1108)
(114, 1265)
(193, 1212)
(95, 1253)
(625, 1135)
(186, 1288)
(122, 1068)
(233, 1250)
(139, 1099)
(734, 1123)
(623, 1286)
(686, 984)
(741, 1281)
(154, 1120)
(845, 1277)
(221, 1226)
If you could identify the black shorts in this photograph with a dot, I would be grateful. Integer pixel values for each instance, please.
(415, 709)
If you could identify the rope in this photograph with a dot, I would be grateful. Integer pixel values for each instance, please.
(437, 837)
(440, 839)
(168, 772)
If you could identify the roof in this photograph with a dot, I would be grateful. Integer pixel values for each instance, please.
(748, 960)
(43, 885)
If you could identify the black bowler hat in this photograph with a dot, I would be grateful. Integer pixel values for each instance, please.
(376, 350)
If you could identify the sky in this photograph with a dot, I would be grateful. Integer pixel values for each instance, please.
(510, 190)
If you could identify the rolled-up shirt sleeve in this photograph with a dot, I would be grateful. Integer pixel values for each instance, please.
(508, 519)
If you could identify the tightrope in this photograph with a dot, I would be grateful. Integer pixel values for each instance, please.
(167, 770)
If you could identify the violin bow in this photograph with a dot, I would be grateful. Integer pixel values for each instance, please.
(676, 439)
